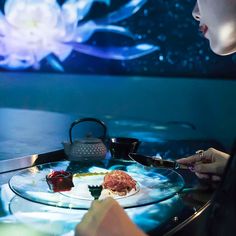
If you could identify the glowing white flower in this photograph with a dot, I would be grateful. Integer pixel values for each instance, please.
(32, 30)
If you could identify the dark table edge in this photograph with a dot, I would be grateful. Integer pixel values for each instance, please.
(189, 220)
(31, 160)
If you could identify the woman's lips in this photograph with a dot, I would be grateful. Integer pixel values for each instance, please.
(203, 29)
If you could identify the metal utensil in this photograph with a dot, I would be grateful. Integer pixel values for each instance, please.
(157, 162)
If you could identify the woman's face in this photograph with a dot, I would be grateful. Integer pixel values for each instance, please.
(218, 24)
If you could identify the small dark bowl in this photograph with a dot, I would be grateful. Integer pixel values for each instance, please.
(60, 181)
(120, 147)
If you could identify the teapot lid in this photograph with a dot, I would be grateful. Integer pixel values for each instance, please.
(89, 140)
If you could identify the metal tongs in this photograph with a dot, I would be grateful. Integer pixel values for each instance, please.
(158, 162)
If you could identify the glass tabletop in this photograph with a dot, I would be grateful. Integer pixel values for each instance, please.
(153, 185)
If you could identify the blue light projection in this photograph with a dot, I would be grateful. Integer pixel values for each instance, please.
(33, 30)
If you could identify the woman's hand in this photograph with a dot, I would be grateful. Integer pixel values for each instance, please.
(206, 164)
(106, 218)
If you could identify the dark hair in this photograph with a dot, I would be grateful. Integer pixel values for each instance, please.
(222, 213)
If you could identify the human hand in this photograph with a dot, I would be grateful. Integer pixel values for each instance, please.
(206, 164)
(106, 218)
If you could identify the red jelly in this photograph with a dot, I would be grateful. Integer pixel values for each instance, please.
(59, 181)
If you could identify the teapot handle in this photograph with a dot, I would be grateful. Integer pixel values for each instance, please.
(88, 119)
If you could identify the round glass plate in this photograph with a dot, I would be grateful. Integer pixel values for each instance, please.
(153, 185)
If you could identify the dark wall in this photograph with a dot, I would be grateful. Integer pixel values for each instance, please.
(141, 105)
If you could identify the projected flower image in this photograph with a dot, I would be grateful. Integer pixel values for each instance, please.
(33, 30)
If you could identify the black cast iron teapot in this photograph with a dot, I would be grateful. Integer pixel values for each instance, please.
(87, 148)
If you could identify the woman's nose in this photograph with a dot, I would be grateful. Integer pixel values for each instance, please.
(196, 12)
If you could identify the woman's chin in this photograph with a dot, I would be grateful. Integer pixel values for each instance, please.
(224, 50)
